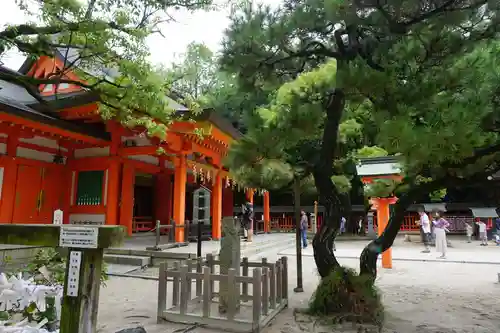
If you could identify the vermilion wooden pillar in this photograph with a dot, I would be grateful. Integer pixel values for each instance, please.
(127, 198)
(113, 191)
(9, 164)
(216, 207)
(180, 180)
(114, 174)
(382, 207)
(249, 195)
(267, 218)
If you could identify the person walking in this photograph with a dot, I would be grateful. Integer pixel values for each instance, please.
(425, 225)
(483, 236)
(304, 223)
(468, 230)
(440, 229)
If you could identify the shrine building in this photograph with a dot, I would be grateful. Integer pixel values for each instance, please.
(60, 154)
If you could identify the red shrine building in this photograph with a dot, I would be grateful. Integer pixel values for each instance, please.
(60, 154)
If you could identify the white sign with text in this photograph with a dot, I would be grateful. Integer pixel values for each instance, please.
(79, 237)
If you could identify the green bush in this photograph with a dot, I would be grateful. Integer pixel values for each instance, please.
(346, 296)
(55, 263)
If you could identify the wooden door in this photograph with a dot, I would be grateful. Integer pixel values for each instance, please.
(28, 187)
(51, 195)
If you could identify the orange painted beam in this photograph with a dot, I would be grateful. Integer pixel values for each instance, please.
(217, 207)
(80, 111)
(143, 166)
(180, 180)
(44, 149)
(382, 207)
(142, 150)
(4, 117)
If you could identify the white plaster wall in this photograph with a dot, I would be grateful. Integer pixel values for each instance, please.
(139, 140)
(34, 154)
(3, 148)
(92, 152)
(3, 135)
(92, 218)
(145, 158)
(44, 142)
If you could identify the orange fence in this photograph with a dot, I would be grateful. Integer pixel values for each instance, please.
(457, 223)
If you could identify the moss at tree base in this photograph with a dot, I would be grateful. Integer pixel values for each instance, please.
(346, 296)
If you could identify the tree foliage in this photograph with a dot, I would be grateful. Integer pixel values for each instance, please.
(103, 42)
(412, 66)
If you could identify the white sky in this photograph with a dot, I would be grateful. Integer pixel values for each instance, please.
(202, 27)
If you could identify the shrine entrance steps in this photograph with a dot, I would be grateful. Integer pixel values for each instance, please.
(136, 258)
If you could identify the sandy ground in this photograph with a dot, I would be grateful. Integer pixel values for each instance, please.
(420, 297)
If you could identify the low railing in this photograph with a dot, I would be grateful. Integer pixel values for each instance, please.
(169, 230)
(251, 301)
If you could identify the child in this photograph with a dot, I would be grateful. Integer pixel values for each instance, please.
(468, 229)
(482, 232)
(497, 240)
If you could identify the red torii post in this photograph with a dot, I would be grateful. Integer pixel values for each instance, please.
(382, 207)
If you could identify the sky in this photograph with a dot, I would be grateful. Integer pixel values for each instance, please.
(202, 27)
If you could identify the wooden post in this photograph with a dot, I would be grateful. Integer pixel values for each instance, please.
(244, 289)
(279, 288)
(207, 292)
(83, 272)
(175, 285)
(184, 290)
(211, 265)
(284, 277)
(162, 291)
(257, 297)
(272, 284)
(231, 299)
(265, 290)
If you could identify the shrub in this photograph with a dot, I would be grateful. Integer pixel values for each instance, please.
(55, 264)
(345, 295)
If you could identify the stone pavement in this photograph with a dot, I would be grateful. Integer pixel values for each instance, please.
(462, 252)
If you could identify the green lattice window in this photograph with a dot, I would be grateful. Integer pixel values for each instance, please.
(89, 188)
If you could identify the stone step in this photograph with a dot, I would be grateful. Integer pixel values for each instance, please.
(254, 250)
(127, 260)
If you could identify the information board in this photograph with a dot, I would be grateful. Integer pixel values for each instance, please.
(79, 237)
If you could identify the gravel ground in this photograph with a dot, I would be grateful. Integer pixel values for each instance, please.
(420, 297)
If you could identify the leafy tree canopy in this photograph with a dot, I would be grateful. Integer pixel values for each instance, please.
(103, 41)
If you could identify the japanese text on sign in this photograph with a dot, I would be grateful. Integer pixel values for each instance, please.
(79, 237)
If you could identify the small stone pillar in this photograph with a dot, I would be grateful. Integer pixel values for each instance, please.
(371, 229)
(230, 257)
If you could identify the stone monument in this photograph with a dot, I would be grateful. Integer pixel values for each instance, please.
(230, 257)
(371, 229)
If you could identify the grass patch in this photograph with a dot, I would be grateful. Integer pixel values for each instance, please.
(346, 296)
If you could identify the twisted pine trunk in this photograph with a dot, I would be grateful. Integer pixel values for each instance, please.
(336, 204)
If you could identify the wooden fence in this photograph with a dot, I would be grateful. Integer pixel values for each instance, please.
(253, 302)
